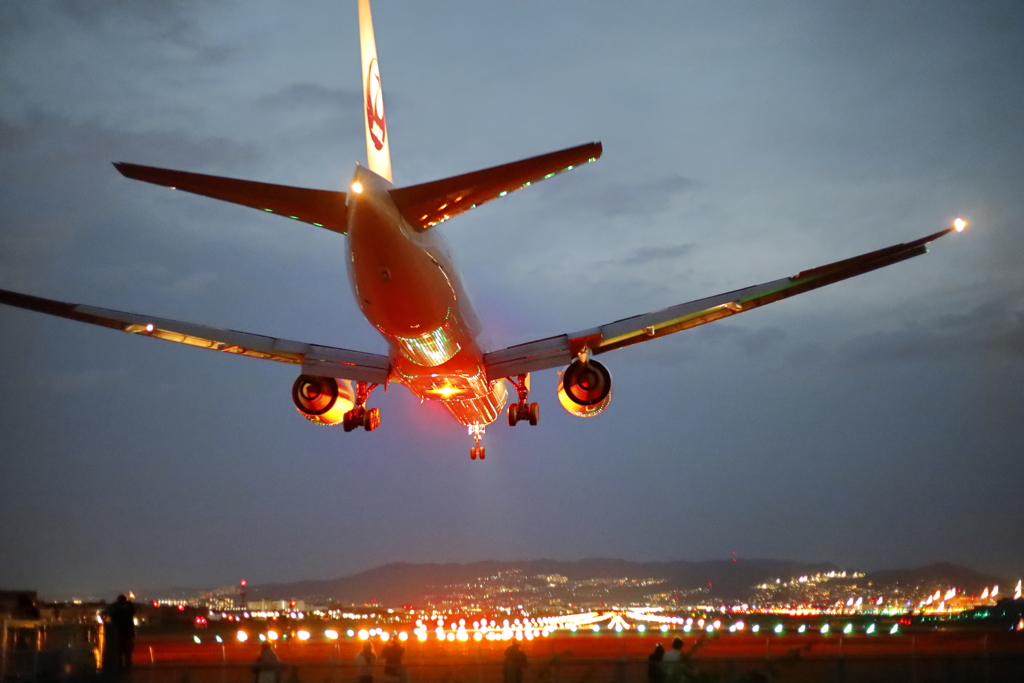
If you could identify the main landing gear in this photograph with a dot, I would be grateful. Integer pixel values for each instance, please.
(359, 416)
(477, 432)
(521, 411)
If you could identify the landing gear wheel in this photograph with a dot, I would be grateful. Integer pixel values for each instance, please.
(349, 422)
(472, 452)
(534, 414)
(513, 415)
(371, 419)
(481, 452)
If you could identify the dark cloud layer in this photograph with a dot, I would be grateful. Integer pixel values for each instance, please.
(873, 423)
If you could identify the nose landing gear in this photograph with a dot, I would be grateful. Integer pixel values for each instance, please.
(477, 432)
(521, 411)
(360, 416)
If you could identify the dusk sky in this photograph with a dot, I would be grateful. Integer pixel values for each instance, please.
(875, 423)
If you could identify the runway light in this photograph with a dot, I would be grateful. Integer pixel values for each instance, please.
(196, 638)
(271, 635)
(263, 638)
(803, 627)
(756, 628)
(242, 636)
(778, 628)
(894, 629)
(363, 634)
(848, 629)
(331, 634)
(219, 639)
(350, 633)
(824, 629)
(303, 635)
(959, 224)
(403, 636)
(357, 187)
(871, 628)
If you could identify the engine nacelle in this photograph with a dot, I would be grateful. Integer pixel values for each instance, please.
(323, 400)
(585, 388)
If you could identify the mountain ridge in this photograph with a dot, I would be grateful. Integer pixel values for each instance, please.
(399, 583)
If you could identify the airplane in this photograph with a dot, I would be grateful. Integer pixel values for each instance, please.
(407, 286)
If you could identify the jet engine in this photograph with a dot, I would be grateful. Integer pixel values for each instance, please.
(585, 388)
(323, 400)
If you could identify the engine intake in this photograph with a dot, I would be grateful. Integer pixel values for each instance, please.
(585, 388)
(323, 400)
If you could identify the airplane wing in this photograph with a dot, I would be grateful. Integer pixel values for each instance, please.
(323, 361)
(431, 203)
(560, 350)
(321, 208)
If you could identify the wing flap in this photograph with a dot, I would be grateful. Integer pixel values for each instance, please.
(321, 208)
(327, 361)
(558, 351)
(431, 203)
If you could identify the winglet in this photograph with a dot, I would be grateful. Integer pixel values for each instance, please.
(378, 150)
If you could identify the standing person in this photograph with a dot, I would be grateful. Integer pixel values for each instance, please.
(392, 654)
(119, 634)
(672, 661)
(515, 662)
(364, 664)
(268, 665)
(655, 672)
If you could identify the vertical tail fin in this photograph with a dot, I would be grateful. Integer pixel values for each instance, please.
(378, 152)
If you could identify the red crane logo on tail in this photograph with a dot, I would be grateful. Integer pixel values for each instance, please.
(375, 106)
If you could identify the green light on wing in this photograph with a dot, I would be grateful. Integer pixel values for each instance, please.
(270, 210)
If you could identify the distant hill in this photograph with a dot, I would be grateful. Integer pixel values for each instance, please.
(403, 583)
(940, 573)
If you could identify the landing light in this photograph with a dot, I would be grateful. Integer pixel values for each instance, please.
(357, 187)
(959, 224)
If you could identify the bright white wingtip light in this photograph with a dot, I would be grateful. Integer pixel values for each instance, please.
(357, 187)
(959, 224)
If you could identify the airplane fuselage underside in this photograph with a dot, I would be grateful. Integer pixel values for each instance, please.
(407, 287)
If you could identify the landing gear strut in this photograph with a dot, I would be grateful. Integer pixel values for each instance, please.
(477, 432)
(359, 416)
(518, 412)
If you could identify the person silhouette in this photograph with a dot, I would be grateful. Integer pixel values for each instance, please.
(119, 635)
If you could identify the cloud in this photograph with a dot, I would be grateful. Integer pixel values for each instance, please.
(638, 200)
(312, 95)
(646, 255)
(88, 380)
(995, 326)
